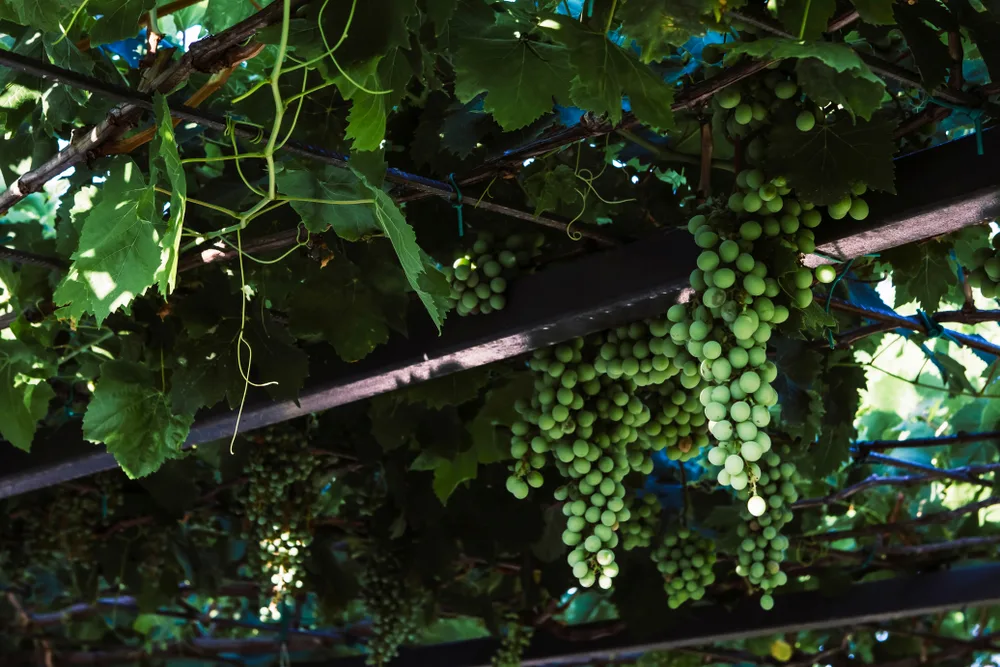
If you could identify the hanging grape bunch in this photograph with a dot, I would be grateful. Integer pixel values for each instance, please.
(515, 640)
(727, 328)
(986, 273)
(479, 279)
(394, 603)
(63, 529)
(678, 425)
(156, 552)
(638, 532)
(278, 503)
(753, 105)
(763, 547)
(685, 559)
(562, 379)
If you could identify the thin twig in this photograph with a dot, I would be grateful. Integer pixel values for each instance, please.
(865, 446)
(882, 459)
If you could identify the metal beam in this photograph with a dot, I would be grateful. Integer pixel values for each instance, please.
(861, 604)
(940, 190)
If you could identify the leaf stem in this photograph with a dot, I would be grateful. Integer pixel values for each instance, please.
(204, 204)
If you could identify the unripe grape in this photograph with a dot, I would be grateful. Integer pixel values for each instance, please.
(805, 121)
(785, 90)
(734, 464)
(826, 274)
(728, 98)
(750, 230)
(756, 506)
(752, 202)
(859, 209)
(743, 113)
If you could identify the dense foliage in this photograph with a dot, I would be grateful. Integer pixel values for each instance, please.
(155, 270)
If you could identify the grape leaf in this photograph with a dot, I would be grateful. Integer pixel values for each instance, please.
(807, 18)
(985, 31)
(133, 419)
(838, 56)
(440, 13)
(119, 252)
(832, 450)
(875, 12)
(522, 89)
(41, 14)
(429, 283)
(387, 77)
(858, 91)
(350, 221)
(921, 273)
(64, 53)
(656, 25)
(605, 72)
(221, 14)
(823, 163)
(452, 389)
(119, 19)
(23, 402)
(163, 155)
(377, 27)
(551, 189)
(926, 45)
(335, 304)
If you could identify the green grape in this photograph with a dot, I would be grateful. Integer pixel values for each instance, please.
(858, 209)
(395, 606)
(685, 559)
(728, 98)
(805, 121)
(826, 274)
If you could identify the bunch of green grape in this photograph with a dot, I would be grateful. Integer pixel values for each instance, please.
(985, 275)
(728, 332)
(156, 545)
(277, 503)
(562, 380)
(685, 559)
(639, 352)
(62, 528)
(776, 98)
(768, 511)
(678, 422)
(638, 532)
(395, 605)
(515, 640)
(479, 279)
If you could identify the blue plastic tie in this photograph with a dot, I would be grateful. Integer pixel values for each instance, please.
(457, 205)
(975, 115)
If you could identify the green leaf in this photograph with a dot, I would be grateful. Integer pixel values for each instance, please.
(822, 164)
(921, 273)
(860, 92)
(552, 189)
(838, 56)
(163, 154)
(448, 474)
(419, 270)
(23, 401)
(335, 304)
(119, 253)
(984, 29)
(832, 450)
(44, 15)
(966, 241)
(929, 49)
(605, 72)
(63, 53)
(440, 13)
(377, 27)
(119, 19)
(807, 18)
(658, 25)
(330, 184)
(132, 417)
(388, 78)
(875, 12)
(522, 89)
(222, 14)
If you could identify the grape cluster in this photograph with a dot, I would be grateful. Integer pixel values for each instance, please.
(756, 103)
(728, 332)
(986, 274)
(62, 529)
(515, 639)
(685, 559)
(395, 606)
(600, 409)
(678, 422)
(645, 520)
(479, 279)
(763, 547)
(277, 504)
(156, 544)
